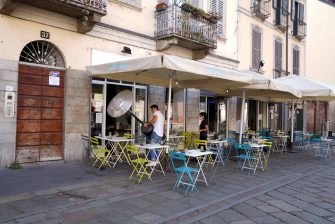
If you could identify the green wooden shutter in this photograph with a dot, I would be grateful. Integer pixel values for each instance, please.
(256, 48)
(218, 7)
(278, 55)
(296, 63)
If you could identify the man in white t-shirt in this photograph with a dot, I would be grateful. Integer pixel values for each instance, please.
(158, 121)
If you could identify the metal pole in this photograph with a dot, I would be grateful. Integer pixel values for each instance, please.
(257, 113)
(286, 43)
(292, 124)
(267, 116)
(169, 108)
(242, 116)
(227, 118)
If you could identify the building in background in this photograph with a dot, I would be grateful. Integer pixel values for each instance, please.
(320, 54)
(262, 45)
(47, 100)
(46, 45)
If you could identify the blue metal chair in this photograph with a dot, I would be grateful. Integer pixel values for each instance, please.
(227, 151)
(245, 155)
(179, 165)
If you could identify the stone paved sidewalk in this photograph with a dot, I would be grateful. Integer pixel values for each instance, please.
(295, 189)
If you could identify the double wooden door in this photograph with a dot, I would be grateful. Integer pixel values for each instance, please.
(39, 132)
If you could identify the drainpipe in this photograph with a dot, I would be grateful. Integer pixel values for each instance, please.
(242, 116)
(238, 31)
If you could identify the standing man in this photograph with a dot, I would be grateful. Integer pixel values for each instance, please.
(158, 121)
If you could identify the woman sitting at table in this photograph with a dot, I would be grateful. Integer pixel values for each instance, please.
(203, 128)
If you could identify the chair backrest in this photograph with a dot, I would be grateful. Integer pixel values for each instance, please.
(242, 146)
(129, 136)
(132, 150)
(268, 143)
(315, 140)
(187, 140)
(178, 156)
(94, 143)
(198, 142)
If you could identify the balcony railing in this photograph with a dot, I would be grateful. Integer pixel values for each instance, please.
(96, 5)
(281, 19)
(299, 29)
(261, 8)
(193, 33)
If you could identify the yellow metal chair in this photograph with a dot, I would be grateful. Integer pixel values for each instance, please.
(129, 136)
(194, 136)
(138, 163)
(100, 153)
(267, 153)
(187, 143)
(204, 143)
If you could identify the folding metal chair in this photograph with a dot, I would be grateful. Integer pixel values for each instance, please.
(187, 139)
(227, 151)
(323, 149)
(247, 159)
(139, 164)
(267, 153)
(100, 153)
(182, 171)
(88, 149)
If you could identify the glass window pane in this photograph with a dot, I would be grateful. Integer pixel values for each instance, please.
(97, 102)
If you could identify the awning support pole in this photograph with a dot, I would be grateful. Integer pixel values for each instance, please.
(292, 124)
(169, 108)
(227, 118)
(242, 116)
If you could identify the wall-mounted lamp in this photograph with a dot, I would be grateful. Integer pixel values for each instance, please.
(261, 64)
(227, 92)
(126, 50)
(177, 83)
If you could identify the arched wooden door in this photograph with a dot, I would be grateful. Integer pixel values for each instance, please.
(39, 132)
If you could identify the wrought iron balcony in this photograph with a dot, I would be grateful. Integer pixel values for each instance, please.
(299, 29)
(261, 8)
(177, 27)
(281, 19)
(88, 12)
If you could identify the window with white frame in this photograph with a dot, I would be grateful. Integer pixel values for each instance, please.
(218, 7)
(136, 3)
(256, 53)
(298, 17)
(296, 62)
(297, 11)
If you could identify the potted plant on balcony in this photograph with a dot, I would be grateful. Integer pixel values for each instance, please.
(198, 13)
(214, 18)
(206, 16)
(161, 6)
(186, 7)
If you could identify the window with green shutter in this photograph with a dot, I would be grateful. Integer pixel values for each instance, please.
(256, 48)
(278, 58)
(296, 63)
(218, 7)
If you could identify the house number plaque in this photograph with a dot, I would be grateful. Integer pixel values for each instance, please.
(45, 34)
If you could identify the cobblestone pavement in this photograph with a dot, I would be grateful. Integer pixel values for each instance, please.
(294, 189)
